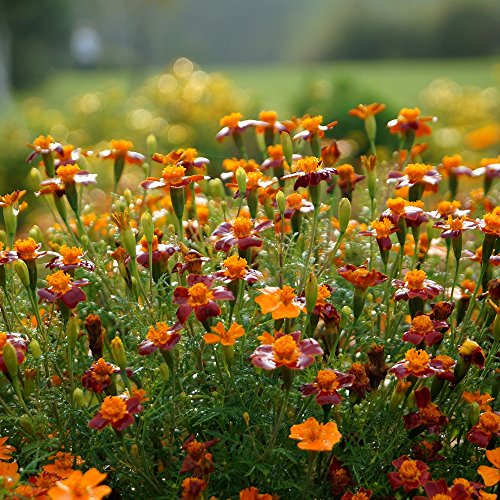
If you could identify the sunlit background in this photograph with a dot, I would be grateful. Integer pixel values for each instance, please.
(87, 72)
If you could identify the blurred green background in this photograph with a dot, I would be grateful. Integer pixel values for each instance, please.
(87, 72)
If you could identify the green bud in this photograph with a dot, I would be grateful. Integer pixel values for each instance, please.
(496, 328)
(347, 310)
(36, 233)
(281, 201)
(72, 331)
(10, 359)
(119, 354)
(287, 145)
(35, 349)
(241, 179)
(344, 214)
(216, 188)
(371, 127)
(79, 397)
(3, 236)
(127, 195)
(164, 371)
(148, 226)
(34, 179)
(128, 241)
(26, 424)
(10, 219)
(152, 144)
(135, 286)
(311, 291)
(84, 239)
(22, 271)
(474, 412)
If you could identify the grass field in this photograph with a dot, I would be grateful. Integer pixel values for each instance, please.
(274, 86)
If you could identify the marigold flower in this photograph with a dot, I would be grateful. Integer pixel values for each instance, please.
(82, 486)
(490, 224)
(199, 297)
(428, 415)
(416, 284)
(160, 337)
(17, 341)
(233, 124)
(12, 200)
(28, 249)
(70, 155)
(347, 180)
(454, 227)
(487, 428)
(454, 166)
(361, 494)
(490, 475)
(313, 436)
(43, 145)
(325, 386)
(310, 171)
(6, 450)
(439, 490)
(447, 208)
(281, 302)
(363, 111)
(198, 461)
(122, 149)
(70, 258)
(98, 377)
(312, 128)
(481, 399)
(446, 366)
(61, 286)
(416, 363)
(9, 476)
(63, 464)
(411, 474)
(471, 352)
(161, 252)
(236, 268)
(252, 493)
(423, 328)
(427, 450)
(287, 350)
(241, 232)
(192, 488)
(173, 176)
(192, 261)
(399, 207)
(361, 383)
(223, 336)
(409, 119)
(382, 230)
(276, 158)
(71, 174)
(360, 277)
(416, 174)
(118, 411)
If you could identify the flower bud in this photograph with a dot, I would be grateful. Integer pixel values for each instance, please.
(84, 239)
(79, 397)
(371, 127)
(148, 226)
(119, 353)
(164, 371)
(72, 331)
(280, 201)
(3, 237)
(34, 179)
(10, 219)
(10, 359)
(287, 145)
(127, 195)
(496, 328)
(26, 424)
(134, 451)
(241, 179)
(344, 214)
(152, 144)
(246, 417)
(311, 292)
(216, 188)
(22, 271)
(474, 412)
(35, 349)
(36, 233)
(29, 381)
(128, 240)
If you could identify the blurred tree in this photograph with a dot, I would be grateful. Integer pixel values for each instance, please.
(34, 39)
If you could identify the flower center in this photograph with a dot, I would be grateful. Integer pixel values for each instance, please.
(275, 152)
(113, 408)
(235, 267)
(195, 450)
(242, 227)
(429, 414)
(455, 224)
(268, 116)
(323, 293)
(159, 335)
(173, 174)
(70, 255)
(416, 172)
(382, 228)
(286, 295)
(417, 361)
(145, 245)
(466, 484)
(415, 279)
(308, 164)
(346, 172)
(199, 295)
(67, 173)
(359, 496)
(312, 123)
(409, 471)
(121, 147)
(326, 380)
(26, 249)
(43, 142)
(408, 114)
(422, 324)
(231, 120)
(446, 208)
(396, 205)
(253, 179)
(285, 349)
(59, 282)
(490, 422)
(294, 200)
(492, 222)
(102, 369)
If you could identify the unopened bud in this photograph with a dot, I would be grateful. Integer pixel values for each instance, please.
(246, 417)
(371, 127)
(128, 241)
(26, 424)
(164, 371)
(311, 291)
(216, 188)
(72, 331)
(36, 233)
(10, 359)
(22, 271)
(474, 412)
(127, 194)
(119, 353)
(496, 328)
(344, 214)
(241, 179)
(281, 201)
(79, 397)
(148, 226)
(34, 179)
(10, 219)
(152, 144)
(287, 145)
(3, 237)
(84, 239)
(35, 349)
(134, 451)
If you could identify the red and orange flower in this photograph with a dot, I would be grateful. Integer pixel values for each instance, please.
(281, 302)
(61, 286)
(241, 232)
(117, 411)
(325, 386)
(411, 474)
(416, 285)
(409, 119)
(313, 436)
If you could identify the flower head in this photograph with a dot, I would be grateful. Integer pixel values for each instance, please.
(61, 286)
(28, 249)
(241, 232)
(491, 475)
(198, 460)
(160, 336)
(411, 474)
(409, 119)
(234, 124)
(312, 127)
(310, 171)
(122, 149)
(281, 302)
(416, 284)
(485, 430)
(118, 411)
(325, 386)
(423, 328)
(360, 277)
(63, 464)
(6, 450)
(81, 486)
(363, 111)
(428, 415)
(313, 436)
(70, 258)
(236, 268)
(222, 336)
(416, 174)
(98, 377)
(416, 363)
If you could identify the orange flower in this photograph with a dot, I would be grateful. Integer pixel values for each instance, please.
(313, 436)
(63, 464)
(481, 399)
(123, 150)
(410, 119)
(490, 475)
(252, 493)
(223, 336)
(8, 475)
(28, 249)
(6, 450)
(281, 302)
(81, 486)
(192, 488)
(360, 277)
(363, 111)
